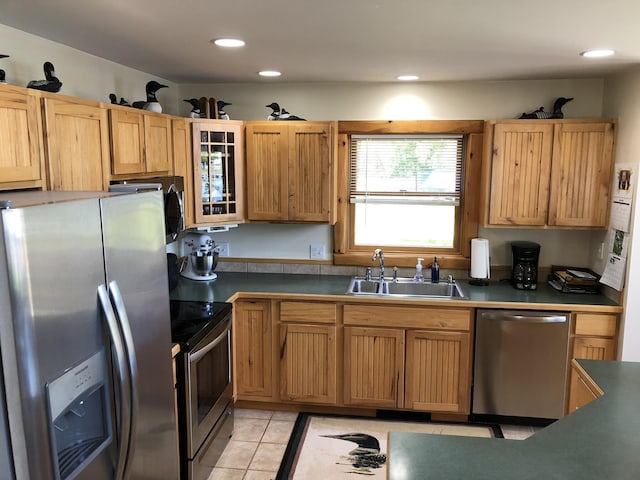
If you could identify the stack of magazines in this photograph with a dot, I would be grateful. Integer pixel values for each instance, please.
(574, 279)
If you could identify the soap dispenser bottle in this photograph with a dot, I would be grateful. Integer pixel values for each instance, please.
(435, 271)
(418, 276)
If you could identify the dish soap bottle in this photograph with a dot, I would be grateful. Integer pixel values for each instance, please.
(435, 271)
(418, 276)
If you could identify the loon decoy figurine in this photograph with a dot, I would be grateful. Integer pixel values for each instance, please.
(151, 103)
(367, 455)
(2, 73)
(195, 108)
(284, 115)
(556, 113)
(114, 100)
(221, 113)
(275, 113)
(51, 83)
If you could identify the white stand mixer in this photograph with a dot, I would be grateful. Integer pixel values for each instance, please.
(202, 258)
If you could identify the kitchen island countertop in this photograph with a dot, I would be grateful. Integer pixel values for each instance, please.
(230, 286)
(600, 440)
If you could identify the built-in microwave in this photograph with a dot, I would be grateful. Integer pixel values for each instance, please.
(173, 188)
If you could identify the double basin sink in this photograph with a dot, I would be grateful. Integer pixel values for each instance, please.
(404, 287)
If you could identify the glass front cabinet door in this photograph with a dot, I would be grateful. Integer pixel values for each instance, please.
(218, 172)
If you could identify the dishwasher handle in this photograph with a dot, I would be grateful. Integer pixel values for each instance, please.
(516, 316)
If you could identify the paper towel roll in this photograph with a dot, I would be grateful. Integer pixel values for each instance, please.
(480, 267)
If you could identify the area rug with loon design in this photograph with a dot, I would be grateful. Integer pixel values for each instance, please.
(327, 447)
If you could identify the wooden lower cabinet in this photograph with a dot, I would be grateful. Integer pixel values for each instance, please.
(308, 363)
(582, 390)
(252, 350)
(437, 371)
(373, 367)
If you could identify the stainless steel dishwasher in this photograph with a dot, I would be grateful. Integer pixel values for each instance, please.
(520, 363)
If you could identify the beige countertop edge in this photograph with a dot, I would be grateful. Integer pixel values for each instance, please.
(572, 307)
(175, 349)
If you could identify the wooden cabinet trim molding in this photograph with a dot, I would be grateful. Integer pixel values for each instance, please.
(596, 324)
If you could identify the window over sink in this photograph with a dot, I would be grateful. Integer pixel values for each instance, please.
(409, 187)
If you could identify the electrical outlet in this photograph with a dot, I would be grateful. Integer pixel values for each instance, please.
(223, 249)
(317, 252)
(601, 251)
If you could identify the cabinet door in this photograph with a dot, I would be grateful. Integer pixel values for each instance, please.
(127, 141)
(582, 390)
(594, 348)
(218, 172)
(157, 144)
(437, 371)
(373, 367)
(520, 169)
(182, 165)
(252, 350)
(267, 171)
(77, 145)
(310, 172)
(20, 138)
(581, 174)
(308, 363)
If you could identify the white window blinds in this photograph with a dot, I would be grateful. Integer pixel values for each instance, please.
(406, 169)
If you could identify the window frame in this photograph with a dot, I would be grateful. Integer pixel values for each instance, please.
(346, 253)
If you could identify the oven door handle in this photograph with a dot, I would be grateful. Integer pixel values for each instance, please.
(122, 372)
(198, 354)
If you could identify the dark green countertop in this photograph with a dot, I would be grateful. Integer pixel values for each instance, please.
(599, 441)
(228, 284)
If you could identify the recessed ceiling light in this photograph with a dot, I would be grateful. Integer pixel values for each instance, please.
(605, 52)
(228, 42)
(407, 78)
(269, 73)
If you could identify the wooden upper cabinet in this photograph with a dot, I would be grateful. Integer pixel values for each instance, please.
(21, 161)
(140, 142)
(77, 144)
(548, 172)
(520, 169)
(290, 171)
(581, 174)
(182, 151)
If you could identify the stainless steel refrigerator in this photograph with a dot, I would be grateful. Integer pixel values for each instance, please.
(85, 340)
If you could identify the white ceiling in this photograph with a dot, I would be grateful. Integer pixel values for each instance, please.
(342, 40)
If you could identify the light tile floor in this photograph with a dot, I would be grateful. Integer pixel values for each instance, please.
(256, 449)
(260, 438)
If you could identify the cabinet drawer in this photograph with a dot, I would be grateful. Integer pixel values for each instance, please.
(599, 324)
(408, 317)
(307, 312)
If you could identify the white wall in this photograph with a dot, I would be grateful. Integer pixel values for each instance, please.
(622, 99)
(82, 75)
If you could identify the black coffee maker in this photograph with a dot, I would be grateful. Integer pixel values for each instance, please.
(525, 265)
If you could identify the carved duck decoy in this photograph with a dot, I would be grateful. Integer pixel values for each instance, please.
(2, 73)
(151, 103)
(221, 113)
(275, 111)
(557, 110)
(114, 100)
(284, 115)
(51, 83)
(195, 108)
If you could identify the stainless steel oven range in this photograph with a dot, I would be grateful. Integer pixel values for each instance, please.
(205, 392)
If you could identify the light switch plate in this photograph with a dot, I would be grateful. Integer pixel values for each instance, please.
(223, 249)
(317, 252)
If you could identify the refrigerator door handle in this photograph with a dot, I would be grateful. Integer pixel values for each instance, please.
(122, 372)
(127, 336)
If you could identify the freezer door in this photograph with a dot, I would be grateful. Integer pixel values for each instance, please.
(51, 268)
(135, 258)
